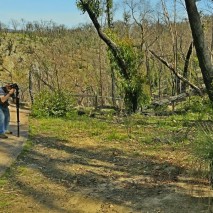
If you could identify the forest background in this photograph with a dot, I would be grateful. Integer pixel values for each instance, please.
(46, 56)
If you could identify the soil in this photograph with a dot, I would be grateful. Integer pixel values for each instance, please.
(80, 175)
(10, 148)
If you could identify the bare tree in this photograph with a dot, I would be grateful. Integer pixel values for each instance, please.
(203, 54)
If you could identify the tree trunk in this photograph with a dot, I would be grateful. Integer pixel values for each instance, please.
(31, 85)
(109, 7)
(200, 45)
(131, 100)
(186, 65)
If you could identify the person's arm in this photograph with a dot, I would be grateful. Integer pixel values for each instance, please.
(7, 96)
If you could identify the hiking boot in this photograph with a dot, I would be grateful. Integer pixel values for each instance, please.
(8, 132)
(3, 136)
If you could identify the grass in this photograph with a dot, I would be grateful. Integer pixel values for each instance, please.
(160, 137)
(3, 203)
(156, 134)
(165, 142)
(154, 131)
(146, 130)
(116, 136)
(3, 182)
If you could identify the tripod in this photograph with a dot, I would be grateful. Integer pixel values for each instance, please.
(17, 111)
(16, 97)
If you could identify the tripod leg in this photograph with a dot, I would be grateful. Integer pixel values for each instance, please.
(17, 112)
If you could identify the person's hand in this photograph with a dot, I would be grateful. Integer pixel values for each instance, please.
(11, 91)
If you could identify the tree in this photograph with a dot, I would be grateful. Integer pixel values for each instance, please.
(203, 54)
(140, 13)
(122, 53)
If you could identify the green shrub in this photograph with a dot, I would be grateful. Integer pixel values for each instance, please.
(201, 107)
(52, 104)
(203, 147)
(203, 143)
(196, 104)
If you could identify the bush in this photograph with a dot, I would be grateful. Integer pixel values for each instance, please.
(52, 104)
(202, 106)
(203, 146)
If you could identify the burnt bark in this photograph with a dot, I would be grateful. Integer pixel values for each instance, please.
(186, 65)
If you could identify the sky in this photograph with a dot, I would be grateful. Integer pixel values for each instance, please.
(59, 11)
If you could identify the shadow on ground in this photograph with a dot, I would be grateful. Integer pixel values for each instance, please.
(69, 178)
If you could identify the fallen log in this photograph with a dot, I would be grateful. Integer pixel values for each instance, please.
(170, 100)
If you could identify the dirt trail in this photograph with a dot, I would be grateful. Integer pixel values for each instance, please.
(10, 148)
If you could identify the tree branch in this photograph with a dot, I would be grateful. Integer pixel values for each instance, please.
(179, 76)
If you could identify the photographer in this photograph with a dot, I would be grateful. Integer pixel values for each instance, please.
(5, 93)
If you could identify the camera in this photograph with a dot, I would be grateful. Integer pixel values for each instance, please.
(13, 86)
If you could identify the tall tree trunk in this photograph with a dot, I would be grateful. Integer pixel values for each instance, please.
(109, 6)
(31, 85)
(186, 65)
(101, 74)
(200, 45)
(212, 39)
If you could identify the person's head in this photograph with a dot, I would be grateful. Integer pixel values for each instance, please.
(7, 86)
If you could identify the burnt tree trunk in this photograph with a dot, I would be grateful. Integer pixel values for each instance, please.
(200, 45)
(186, 65)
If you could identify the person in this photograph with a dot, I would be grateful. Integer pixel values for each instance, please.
(5, 93)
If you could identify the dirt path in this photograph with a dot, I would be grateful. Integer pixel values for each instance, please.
(10, 148)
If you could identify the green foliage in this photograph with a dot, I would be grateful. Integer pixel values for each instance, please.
(52, 104)
(133, 84)
(3, 182)
(199, 105)
(194, 104)
(195, 61)
(94, 6)
(3, 204)
(203, 144)
(116, 136)
(145, 97)
(126, 51)
(110, 3)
